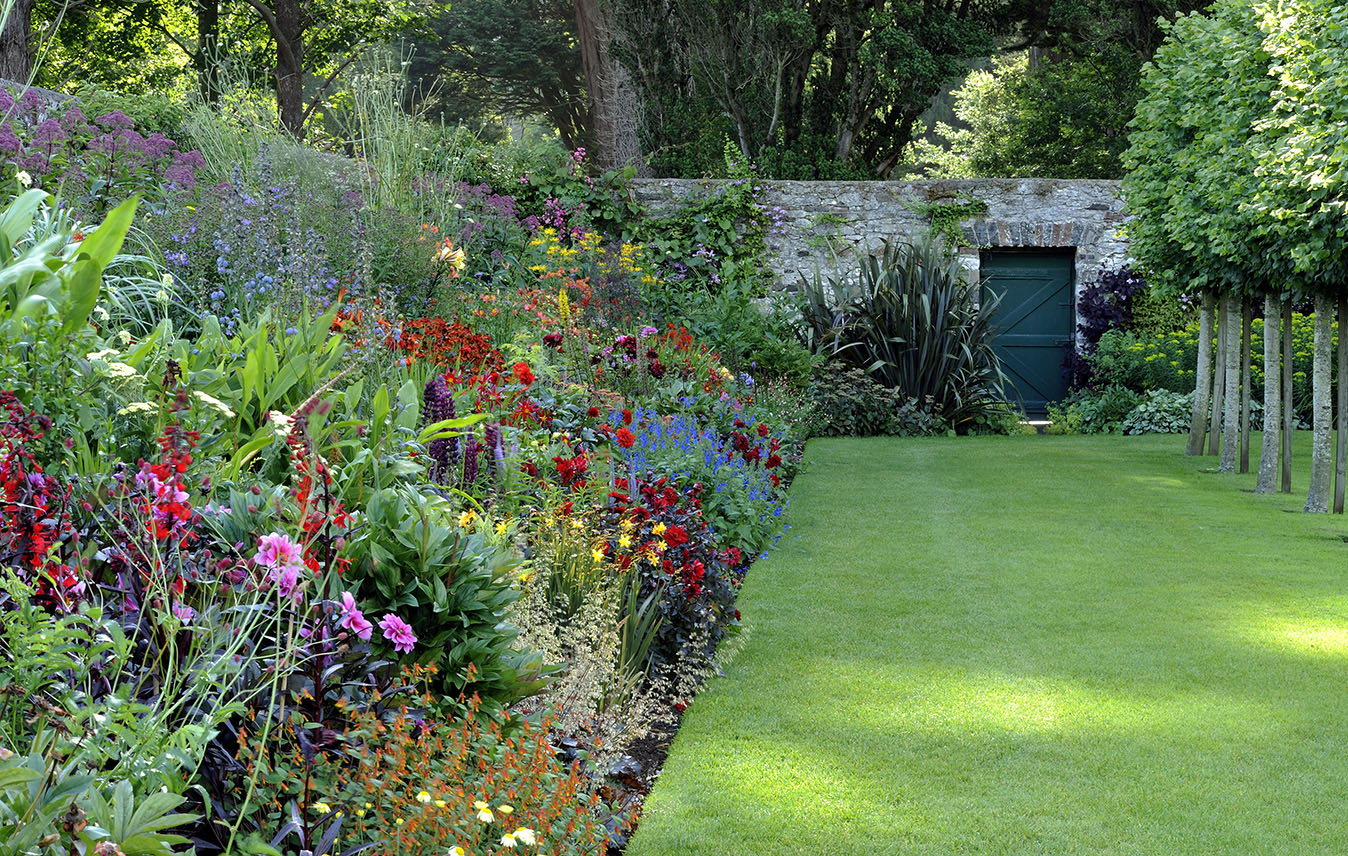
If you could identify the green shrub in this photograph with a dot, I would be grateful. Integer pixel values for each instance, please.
(910, 319)
(1168, 361)
(1161, 412)
(1093, 412)
(1155, 313)
(848, 403)
(453, 586)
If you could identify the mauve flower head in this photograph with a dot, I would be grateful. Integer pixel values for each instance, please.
(277, 549)
(287, 579)
(398, 632)
(352, 619)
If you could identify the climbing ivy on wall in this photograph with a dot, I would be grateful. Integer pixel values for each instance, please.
(944, 218)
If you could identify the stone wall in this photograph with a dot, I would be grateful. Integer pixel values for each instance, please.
(824, 223)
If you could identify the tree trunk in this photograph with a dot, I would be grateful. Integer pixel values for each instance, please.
(612, 96)
(1219, 379)
(1322, 411)
(16, 56)
(1341, 453)
(289, 37)
(1268, 449)
(1288, 410)
(1232, 316)
(1246, 323)
(1198, 423)
(207, 58)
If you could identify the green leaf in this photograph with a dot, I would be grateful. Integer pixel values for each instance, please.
(18, 216)
(83, 279)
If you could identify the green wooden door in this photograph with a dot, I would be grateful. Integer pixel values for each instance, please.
(1034, 322)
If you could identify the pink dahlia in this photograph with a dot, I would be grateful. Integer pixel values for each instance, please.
(398, 632)
(354, 620)
(277, 549)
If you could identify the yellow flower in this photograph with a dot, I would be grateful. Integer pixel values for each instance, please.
(506, 809)
(658, 529)
(441, 804)
(503, 527)
(322, 807)
(457, 851)
(526, 836)
(423, 797)
(625, 541)
(466, 519)
(598, 556)
(398, 820)
(577, 525)
(563, 307)
(483, 811)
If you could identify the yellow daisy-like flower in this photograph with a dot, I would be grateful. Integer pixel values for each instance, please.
(466, 519)
(503, 527)
(423, 797)
(526, 836)
(506, 809)
(441, 804)
(457, 851)
(322, 807)
(483, 811)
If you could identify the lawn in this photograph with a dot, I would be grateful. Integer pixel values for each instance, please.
(1047, 645)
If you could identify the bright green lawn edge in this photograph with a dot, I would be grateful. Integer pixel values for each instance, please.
(1047, 645)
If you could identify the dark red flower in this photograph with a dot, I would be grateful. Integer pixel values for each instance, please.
(593, 412)
(627, 417)
(676, 536)
(626, 438)
(762, 430)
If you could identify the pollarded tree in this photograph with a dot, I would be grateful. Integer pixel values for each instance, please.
(1189, 169)
(1301, 201)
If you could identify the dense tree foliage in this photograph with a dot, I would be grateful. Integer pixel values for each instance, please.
(487, 58)
(1238, 177)
(1057, 105)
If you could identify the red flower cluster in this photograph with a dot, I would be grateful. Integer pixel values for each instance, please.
(36, 530)
(451, 344)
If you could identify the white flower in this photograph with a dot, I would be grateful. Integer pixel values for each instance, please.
(167, 281)
(136, 407)
(124, 336)
(214, 402)
(100, 313)
(508, 840)
(121, 370)
(101, 355)
(161, 295)
(483, 811)
(527, 836)
(24, 178)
